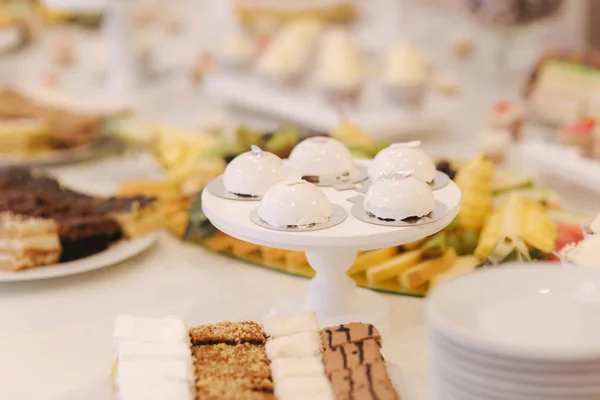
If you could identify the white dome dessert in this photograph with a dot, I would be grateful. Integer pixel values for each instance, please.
(322, 157)
(294, 203)
(401, 158)
(253, 173)
(399, 196)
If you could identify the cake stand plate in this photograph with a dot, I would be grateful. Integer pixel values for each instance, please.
(330, 252)
(106, 258)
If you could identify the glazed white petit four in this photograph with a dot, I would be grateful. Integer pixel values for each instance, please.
(322, 157)
(403, 157)
(303, 344)
(279, 325)
(252, 173)
(128, 327)
(294, 203)
(399, 196)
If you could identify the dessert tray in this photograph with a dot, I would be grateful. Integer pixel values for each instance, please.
(113, 255)
(290, 357)
(305, 107)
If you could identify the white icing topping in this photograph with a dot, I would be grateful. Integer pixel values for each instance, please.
(276, 325)
(303, 344)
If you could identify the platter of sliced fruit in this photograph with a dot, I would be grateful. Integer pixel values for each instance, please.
(504, 217)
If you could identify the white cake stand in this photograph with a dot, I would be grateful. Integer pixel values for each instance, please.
(330, 252)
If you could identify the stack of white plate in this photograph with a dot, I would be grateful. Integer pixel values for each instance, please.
(516, 333)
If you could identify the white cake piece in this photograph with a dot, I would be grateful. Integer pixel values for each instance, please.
(128, 327)
(304, 387)
(283, 368)
(130, 349)
(303, 344)
(146, 370)
(147, 390)
(279, 325)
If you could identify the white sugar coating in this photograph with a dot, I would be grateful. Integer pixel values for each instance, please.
(129, 349)
(128, 327)
(147, 390)
(277, 325)
(282, 368)
(147, 370)
(302, 344)
(304, 387)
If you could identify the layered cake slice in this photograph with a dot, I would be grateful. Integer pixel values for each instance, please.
(27, 242)
(138, 215)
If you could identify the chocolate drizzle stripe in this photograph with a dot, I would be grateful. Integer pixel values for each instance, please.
(370, 330)
(370, 381)
(329, 336)
(344, 357)
(361, 353)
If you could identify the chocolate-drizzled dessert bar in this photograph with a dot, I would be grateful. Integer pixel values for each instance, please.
(230, 361)
(86, 224)
(354, 364)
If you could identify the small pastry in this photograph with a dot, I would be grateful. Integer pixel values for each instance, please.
(322, 158)
(289, 53)
(237, 50)
(580, 134)
(507, 116)
(339, 68)
(396, 197)
(494, 144)
(253, 173)
(403, 157)
(405, 75)
(295, 204)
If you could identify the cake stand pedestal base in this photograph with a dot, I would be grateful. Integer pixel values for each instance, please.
(334, 296)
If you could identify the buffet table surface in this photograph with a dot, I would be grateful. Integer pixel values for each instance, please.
(56, 335)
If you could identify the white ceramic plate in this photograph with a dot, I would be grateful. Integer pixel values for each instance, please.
(111, 256)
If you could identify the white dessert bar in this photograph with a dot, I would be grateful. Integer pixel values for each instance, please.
(150, 370)
(277, 325)
(282, 368)
(303, 344)
(27, 242)
(150, 329)
(304, 387)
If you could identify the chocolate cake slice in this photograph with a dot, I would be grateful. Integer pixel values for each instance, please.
(137, 215)
(83, 236)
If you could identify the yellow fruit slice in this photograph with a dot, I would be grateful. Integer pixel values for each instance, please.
(423, 272)
(392, 267)
(462, 266)
(371, 258)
